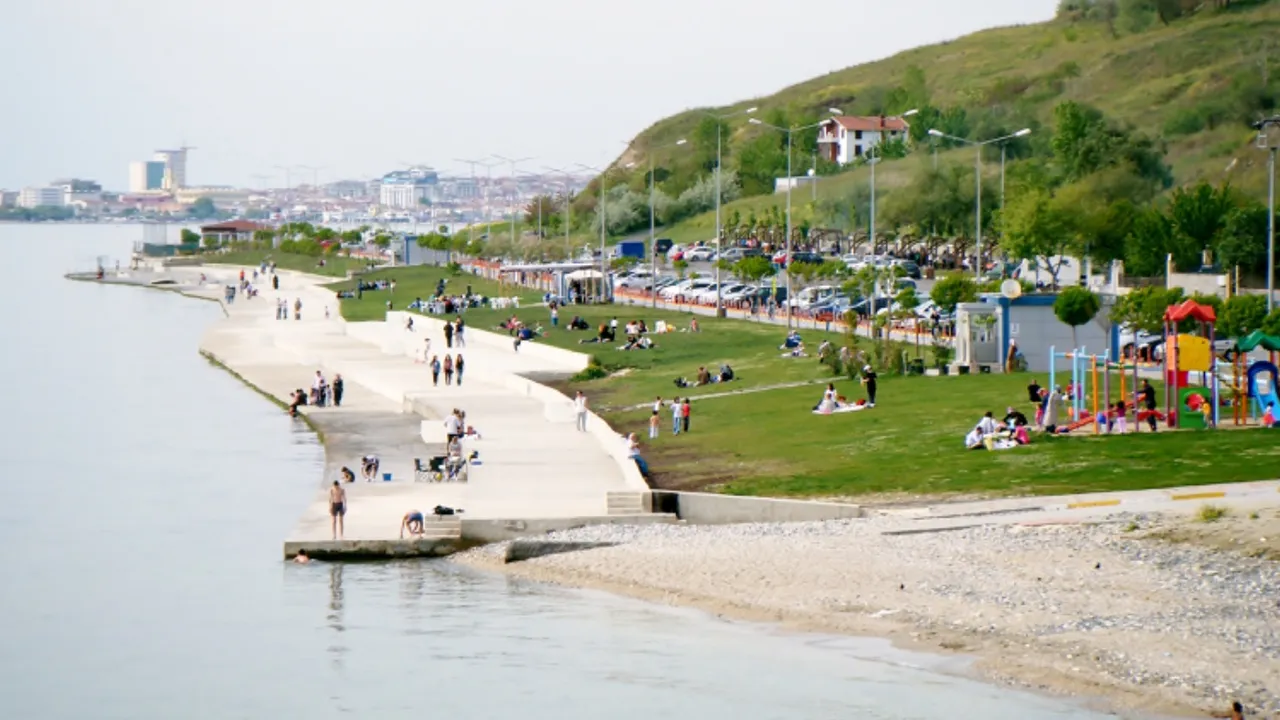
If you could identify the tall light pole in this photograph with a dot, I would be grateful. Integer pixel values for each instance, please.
(513, 163)
(873, 159)
(1269, 138)
(978, 145)
(653, 226)
(719, 230)
(604, 269)
(568, 204)
(789, 131)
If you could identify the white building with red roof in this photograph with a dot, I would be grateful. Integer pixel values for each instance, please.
(846, 138)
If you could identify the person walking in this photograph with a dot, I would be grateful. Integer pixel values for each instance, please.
(653, 425)
(457, 367)
(448, 335)
(337, 390)
(580, 411)
(458, 338)
(677, 414)
(555, 316)
(275, 281)
(337, 509)
(297, 308)
(448, 369)
(435, 370)
(685, 408)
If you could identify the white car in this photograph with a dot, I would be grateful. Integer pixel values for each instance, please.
(708, 294)
(674, 251)
(738, 291)
(669, 292)
(700, 254)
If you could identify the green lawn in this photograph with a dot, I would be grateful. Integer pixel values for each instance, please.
(335, 266)
(420, 281)
(766, 441)
(771, 444)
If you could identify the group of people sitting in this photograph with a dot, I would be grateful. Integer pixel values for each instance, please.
(1007, 433)
(793, 346)
(705, 377)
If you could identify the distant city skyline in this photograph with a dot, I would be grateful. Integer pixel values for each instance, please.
(353, 92)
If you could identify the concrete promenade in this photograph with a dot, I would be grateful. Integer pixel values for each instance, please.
(536, 471)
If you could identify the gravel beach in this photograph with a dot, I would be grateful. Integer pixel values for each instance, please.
(1113, 610)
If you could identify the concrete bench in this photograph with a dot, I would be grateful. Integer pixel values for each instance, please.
(433, 432)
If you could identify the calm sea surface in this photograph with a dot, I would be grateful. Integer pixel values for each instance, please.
(146, 495)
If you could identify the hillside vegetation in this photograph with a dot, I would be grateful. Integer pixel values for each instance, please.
(1141, 144)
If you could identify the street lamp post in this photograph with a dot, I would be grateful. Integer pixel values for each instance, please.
(978, 145)
(719, 228)
(513, 164)
(789, 131)
(653, 228)
(1269, 137)
(604, 271)
(568, 204)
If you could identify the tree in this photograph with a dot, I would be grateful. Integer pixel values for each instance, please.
(1243, 240)
(382, 240)
(952, 290)
(1038, 230)
(681, 266)
(202, 209)
(190, 237)
(1084, 142)
(758, 163)
(1198, 216)
(1241, 315)
(754, 268)
(1076, 306)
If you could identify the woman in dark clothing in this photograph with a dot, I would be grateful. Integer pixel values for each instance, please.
(457, 367)
(337, 390)
(448, 370)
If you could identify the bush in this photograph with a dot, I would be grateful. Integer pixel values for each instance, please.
(593, 371)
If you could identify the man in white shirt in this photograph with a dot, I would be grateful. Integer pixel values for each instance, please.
(988, 425)
(677, 414)
(452, 426)
(580, 411)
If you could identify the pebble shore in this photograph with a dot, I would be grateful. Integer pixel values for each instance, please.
(1093, 610)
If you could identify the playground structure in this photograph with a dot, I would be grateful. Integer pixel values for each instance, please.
(1088, 407)
(1254, 385)
(1186, 353)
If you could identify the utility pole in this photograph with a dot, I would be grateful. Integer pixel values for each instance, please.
(1269, 139)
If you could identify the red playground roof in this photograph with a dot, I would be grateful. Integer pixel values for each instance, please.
(1190, 310)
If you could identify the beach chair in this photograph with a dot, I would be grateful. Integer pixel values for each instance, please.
(433, 471)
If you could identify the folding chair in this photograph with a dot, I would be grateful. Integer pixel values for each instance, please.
(432, 472)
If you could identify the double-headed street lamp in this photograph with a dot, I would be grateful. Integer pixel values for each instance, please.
(789, 131)
(513, 163)
(978, 176)
(872, 159)
(719, 230)
(653, 239)
(568, 204)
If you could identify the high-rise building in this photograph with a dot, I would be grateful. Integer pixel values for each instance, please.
(407, 189)
(146, 175)
(175, 167)
(49, 196)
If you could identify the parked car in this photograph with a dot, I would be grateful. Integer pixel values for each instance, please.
(677, 288)
(738, 291)
(700, 254)
(808, 257)
(732, 254)
(675, 253)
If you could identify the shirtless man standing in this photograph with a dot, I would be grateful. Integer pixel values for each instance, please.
(337, 509)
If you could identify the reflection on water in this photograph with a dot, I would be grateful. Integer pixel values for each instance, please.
(147, 499)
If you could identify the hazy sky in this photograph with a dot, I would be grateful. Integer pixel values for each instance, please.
(362, 88)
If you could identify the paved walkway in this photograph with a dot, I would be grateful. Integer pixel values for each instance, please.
(534, 463)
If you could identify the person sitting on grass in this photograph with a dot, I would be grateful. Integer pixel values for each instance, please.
(726, 373)
(704, 376)
(413, 522)
(1014, 418)
(792, 341)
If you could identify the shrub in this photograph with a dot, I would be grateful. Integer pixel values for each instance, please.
(1211, 513)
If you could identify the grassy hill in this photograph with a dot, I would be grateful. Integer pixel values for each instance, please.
(1187, 83)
